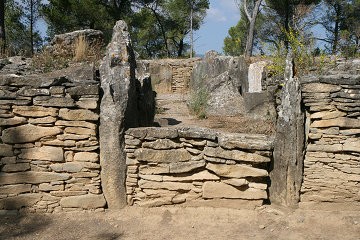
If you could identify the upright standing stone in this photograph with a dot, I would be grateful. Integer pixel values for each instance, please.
(286, 175)
(117, 72)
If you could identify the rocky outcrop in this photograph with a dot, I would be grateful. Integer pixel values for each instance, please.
(196, 167)
(224, 79)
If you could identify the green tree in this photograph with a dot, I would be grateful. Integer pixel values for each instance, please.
(287, 14)
(350, 29)
(70, 15)
(2, 25)
(235, 42)
(31, 16)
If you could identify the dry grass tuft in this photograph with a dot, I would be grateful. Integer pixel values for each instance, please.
(81, 49)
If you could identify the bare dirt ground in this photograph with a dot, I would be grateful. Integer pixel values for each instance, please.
(173, 111)
(267, 222)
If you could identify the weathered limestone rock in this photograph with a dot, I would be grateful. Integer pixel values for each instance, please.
(222, 78)
(255, 73)
(46, 187)
(55, 154)
(235, 155)
(75, 124)
(18, 167)
(28, 133)
(44, 120)
(78, 115)
(6, 150)
(320, 88)
(327, 115)
(67, 167)
(197, 132)
(236, 171)
(34, 111)
(236, 182)
(117, 72)
(222, 190)
(162, 156)
(88, 201)
(12, 121)
(15, 189)
(165, 185)
(86, 157)
(80, 131)
(246, 141)
(32, 177)
(287, 170)
(200, 176)
(158, 133)
(337, 122)
(161, 144)
(17, 202)
(184, 167)
(49, 101)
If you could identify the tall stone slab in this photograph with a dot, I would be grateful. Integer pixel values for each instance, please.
(287, 168)
(118, 84)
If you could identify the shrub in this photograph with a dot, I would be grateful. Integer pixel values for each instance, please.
(198, 100)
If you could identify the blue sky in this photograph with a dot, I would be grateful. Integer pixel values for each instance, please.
(222, 15)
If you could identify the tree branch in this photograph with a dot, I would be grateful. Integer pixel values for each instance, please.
(247, 11)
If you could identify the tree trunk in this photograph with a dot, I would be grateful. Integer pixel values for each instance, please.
(32, 27)
(336, 28)
(191, 29)
(2, 25)
(162, 31)
(181, 48)
(252, 20)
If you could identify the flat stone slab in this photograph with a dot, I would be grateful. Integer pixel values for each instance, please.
(28, 133)
(246, 141)
(236, 171)
(235, 155)
(88, 201)
(162, 156)
(223, 190)
(32, 177)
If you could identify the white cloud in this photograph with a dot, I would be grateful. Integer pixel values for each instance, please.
(215, 15)
(230, 5)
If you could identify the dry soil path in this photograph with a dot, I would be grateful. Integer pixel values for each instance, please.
(185, 223)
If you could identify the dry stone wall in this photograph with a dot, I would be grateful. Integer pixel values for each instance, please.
(168, 75)
(332, 160)
(196, 167)
(49, 141)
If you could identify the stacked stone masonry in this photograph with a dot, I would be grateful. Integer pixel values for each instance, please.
(332, 160)
(196, 167)
(49, 141)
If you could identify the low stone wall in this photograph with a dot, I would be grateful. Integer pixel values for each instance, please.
(168, 75)
(332, 160)
(196, 167)
(49, 141)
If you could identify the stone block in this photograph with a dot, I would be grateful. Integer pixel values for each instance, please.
(28, 133)
(80, 131)
(320, 88)
(32, 177)
(222, 190)
(12, 121)
(46, 187)
(162, 156)
(86, 157)
(55, 154)
(51, 101)
(76, 124)
(160, 169)
(67, 167)
(34, 111)
(165, 185)
(87, 104)
(78, 115)
(17, 167)
(246, 141)
(235, 155)
(6, 150)
(200, 176)
(236, 182)
(160, 133)
(184, 167)
(15, 189)
(44, 120)
(337, 122)
(88, 201)
(20, 201)
(197, 132)
(161, 144)
(236, 171)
